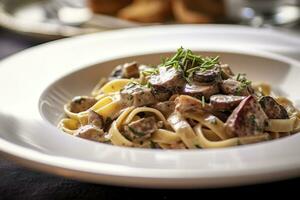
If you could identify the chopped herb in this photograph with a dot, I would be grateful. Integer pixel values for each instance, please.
(130, 97)
(108, 120)
(252, 120)
(141, 134)
(244, 83)
(131, 84)
(242, 79)
(151, 71)
(203, 101)
(148, 85)
(238, 77)
(152, 145)
(188, 63)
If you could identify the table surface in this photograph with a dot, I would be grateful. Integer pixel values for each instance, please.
(17, 182)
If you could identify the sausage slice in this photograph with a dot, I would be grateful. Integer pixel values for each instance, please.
(247, 119)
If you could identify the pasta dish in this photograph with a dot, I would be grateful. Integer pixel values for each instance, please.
(188, 101)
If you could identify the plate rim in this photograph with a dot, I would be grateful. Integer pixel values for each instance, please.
(3, 144)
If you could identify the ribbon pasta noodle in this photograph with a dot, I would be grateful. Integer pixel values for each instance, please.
(186, 102)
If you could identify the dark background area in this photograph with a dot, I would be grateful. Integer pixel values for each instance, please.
(17, 182)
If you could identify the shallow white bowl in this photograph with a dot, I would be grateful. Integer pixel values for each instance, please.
(37, 83)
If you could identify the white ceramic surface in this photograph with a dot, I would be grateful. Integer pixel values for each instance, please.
(54, 72)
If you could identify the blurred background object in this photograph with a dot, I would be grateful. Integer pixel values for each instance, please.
(52, 19)
(264, 12)
(109, 7)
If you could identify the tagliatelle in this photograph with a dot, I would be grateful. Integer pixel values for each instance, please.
(114, 85)
(171, 106)
(184, 130)
(210, 121)
(205, 143)
(69, 125)
(281, 125)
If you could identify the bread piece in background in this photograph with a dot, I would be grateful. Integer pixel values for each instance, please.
(108, 7)
(198, 11)
(147, 11)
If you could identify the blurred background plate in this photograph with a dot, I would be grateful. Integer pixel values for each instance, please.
(52, 19)
(48, 20)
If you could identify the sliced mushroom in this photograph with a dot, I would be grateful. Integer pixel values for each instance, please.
(137, 95)
(95, 119)
(141, 129)
(226, 71)
(168, 79)
(131, 70)
(273, 109)
(81, 103)
(186, 104)
(127, 70)
(90, 132)
(166, 107)
(225, 102)
(210, 75)
(197, 90)
(234, 87)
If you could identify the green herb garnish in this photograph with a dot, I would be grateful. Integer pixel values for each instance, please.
(203, 101)
(152, 145)
(151, 71)
(238, 77)
(141, 134)
(252, 120)
(244, 83)
(148, 85)
(188, 63)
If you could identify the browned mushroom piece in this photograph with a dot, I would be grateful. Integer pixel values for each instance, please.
(166, 107)
(226, 71)
(95, 119)
(141, 129)
(90, 132)
(137, 95)
(221, 102)
(186, 104)
(273, 109)
(234, 87)
(199, 90)
(168, 81)
(81, 103)
(127, 70)
(209, 75)
(131, 70)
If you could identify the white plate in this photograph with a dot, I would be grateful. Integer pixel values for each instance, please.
(31, 140)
